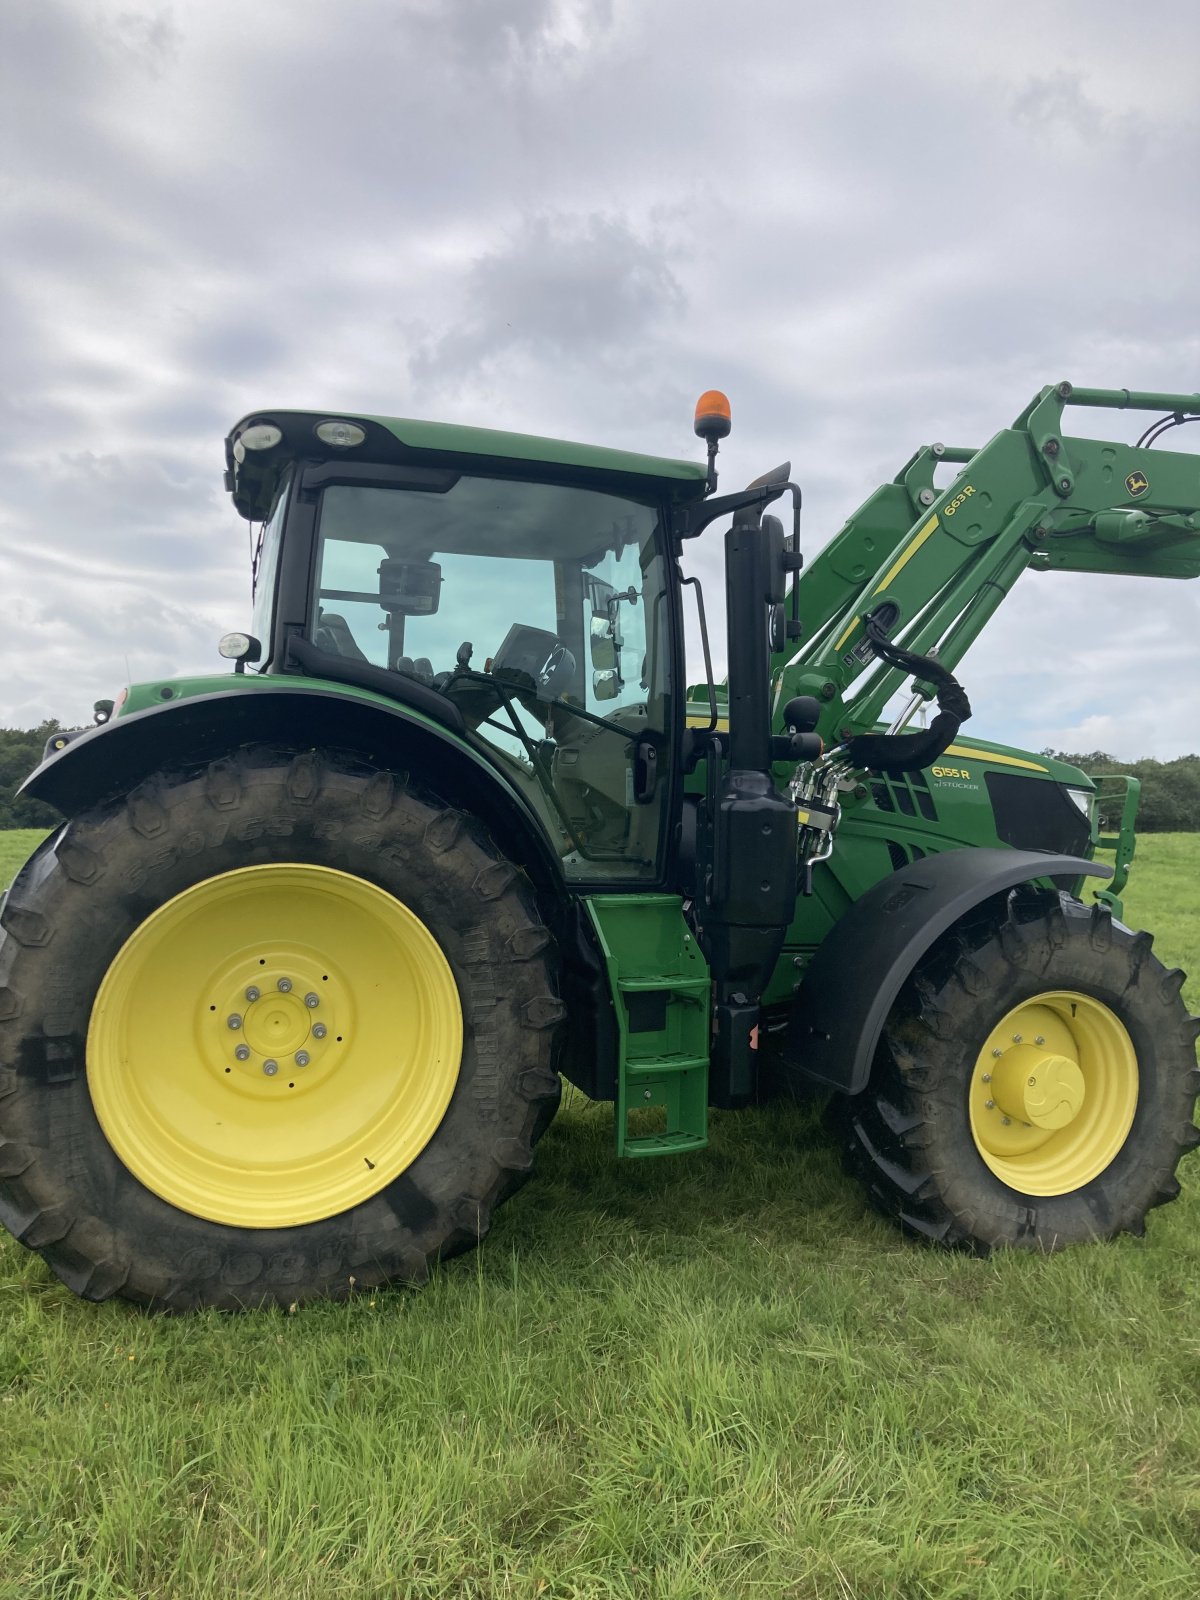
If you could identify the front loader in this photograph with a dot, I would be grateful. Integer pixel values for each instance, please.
(286, 1001)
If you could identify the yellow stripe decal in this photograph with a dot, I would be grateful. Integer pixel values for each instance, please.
(900, 562)
(903, 560)
(992, 756)
(695, 720)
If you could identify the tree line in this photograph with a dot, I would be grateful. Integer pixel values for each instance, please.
(20, 751)
(1170, 789)
(1170, 801)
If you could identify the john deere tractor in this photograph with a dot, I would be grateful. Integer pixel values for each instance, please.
(286, 1000)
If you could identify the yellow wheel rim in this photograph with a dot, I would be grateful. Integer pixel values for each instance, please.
(274, 1045)
(1053, 1093)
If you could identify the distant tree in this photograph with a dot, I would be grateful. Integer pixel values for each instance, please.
(20, 751)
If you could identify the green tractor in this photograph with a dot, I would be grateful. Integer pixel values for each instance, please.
(286, 1000)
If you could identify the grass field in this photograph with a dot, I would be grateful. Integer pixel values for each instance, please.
(717, 1377)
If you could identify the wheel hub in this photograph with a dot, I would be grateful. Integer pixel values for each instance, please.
(287, 1007)
(1038, 1087)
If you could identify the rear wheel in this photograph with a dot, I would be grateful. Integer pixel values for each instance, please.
(268, 1031)
(1034, 1085)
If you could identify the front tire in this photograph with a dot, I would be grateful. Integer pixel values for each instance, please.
(268, 1031)
(1034, 1085)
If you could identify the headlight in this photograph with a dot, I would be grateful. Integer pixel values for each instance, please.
(1085, 799)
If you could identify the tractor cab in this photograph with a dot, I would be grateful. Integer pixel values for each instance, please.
(515, 589)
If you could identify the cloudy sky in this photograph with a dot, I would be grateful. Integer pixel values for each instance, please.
(873, 224)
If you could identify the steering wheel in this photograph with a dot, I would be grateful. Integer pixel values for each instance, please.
(535, 660)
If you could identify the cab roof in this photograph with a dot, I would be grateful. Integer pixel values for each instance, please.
(252, 475)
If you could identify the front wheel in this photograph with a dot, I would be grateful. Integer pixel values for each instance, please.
(268, 1031)
(1034, 1085)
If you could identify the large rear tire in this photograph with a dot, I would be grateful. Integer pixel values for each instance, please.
(1034, 1085)
(268, 1031)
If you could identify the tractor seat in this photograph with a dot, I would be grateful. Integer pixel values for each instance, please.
(333, 634)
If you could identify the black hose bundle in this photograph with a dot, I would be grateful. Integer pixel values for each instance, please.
(895, 753)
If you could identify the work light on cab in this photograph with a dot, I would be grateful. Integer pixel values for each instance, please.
(341, 435)
(240, 648)
(258, 436)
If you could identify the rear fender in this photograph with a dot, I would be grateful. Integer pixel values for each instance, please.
(107, 762)
(851, 983)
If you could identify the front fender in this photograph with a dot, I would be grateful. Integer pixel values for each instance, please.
(852, 982)
(107, 762)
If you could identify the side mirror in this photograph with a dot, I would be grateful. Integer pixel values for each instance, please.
(599, 594)
(603, 644)
(606, 685)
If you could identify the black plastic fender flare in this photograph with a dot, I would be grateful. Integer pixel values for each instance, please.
(109, 761)
(851, 983)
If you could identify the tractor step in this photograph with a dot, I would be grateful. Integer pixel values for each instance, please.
(661, 983)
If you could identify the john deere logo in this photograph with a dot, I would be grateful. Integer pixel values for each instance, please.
(1137, 483)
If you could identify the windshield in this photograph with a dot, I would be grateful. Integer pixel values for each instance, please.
(537, 608)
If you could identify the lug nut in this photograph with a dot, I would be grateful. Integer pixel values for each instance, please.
(1016, 1038)
(284, 985)
(233, 1022)
(242, 1052)
(987, 1077)
(1006, 1121)
(991, 1105)
(997, 1053)
(311, 1000)
(319, 1030)
(270, 1068)
(252, 994)
(302, 1058)
(1041, 1039)
(1032, 1081)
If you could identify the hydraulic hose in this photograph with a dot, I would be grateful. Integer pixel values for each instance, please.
(895, 753)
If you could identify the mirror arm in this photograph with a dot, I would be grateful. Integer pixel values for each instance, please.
(693, 519)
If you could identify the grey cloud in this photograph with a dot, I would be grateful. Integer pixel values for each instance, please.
(233, 346)
(152, 38)
(1060, 102)
(483, 37)
(565, 290)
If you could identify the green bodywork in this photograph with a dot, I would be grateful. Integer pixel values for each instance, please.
(940, 557)
(150, 696)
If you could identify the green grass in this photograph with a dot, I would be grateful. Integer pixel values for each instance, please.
(713, 1377)
(16, 844)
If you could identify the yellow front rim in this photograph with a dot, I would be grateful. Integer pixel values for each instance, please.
(274, 1045)
(1054, 1092)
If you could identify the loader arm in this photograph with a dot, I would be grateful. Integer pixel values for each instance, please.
(933, 564)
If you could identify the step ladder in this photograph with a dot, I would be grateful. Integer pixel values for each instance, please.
(661, 989)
